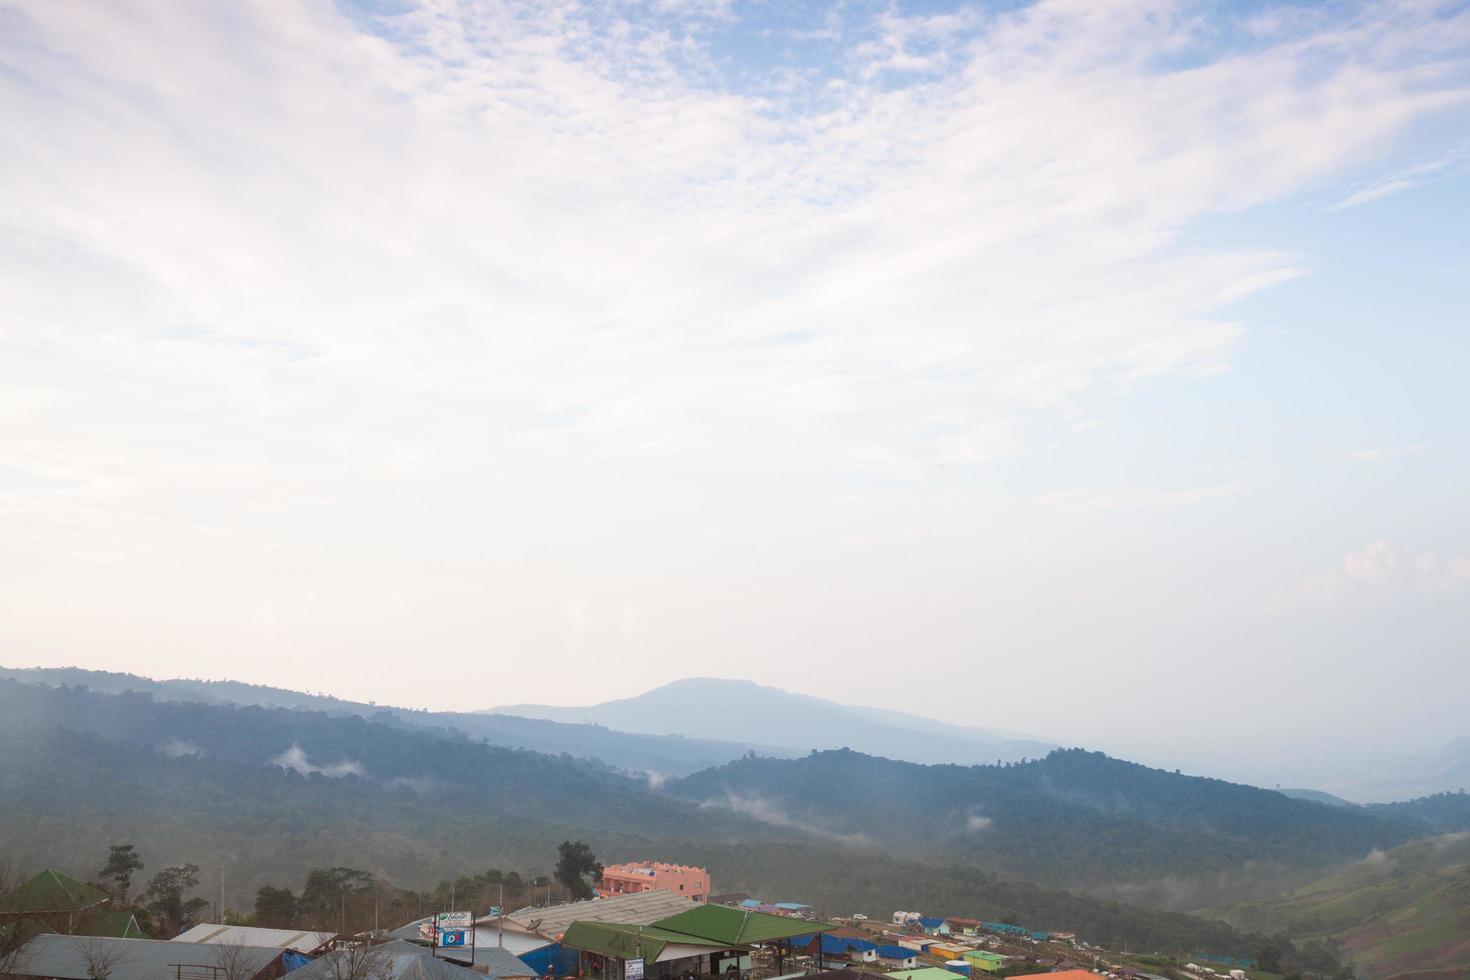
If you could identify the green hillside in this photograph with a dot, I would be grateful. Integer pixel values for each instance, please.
(1073, 819)
(262, 795)
(1403, 911)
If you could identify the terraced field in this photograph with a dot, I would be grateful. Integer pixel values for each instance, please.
(1403, 913)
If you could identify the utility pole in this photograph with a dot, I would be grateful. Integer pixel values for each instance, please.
(500, 919)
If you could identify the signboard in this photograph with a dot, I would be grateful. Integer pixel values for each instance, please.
(426, 931)
(455, 920)
(457, 938)
(633, 970)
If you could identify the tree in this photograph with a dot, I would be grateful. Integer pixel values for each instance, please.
(275, 908)
(360, 962)
(574, 866)
(326, 892)
(1268, 957)
(233, 961)
(102, 957)
(122, 861)
(164, 900)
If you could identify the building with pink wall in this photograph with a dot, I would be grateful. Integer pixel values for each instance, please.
(629, 879)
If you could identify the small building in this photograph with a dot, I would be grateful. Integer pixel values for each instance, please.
(830, 946)
(533, 934)
(635, 877)
(963, 926)
(986, 962)
(900, 957)
(947, 951)
(51, 902)
(933, 925)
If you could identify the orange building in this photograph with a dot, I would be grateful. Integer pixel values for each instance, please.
(629, 879)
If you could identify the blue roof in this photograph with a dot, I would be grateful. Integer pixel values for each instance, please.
(930, 921)
(750, 903)
(792, 906)
(895, 952)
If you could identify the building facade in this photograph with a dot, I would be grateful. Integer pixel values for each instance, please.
(629, 879)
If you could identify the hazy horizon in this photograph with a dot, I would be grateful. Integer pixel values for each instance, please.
(1106, 362)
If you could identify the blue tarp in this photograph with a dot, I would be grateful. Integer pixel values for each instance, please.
(564, 962)
(292, 960)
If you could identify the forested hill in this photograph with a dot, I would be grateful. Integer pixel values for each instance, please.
(664, 755)
(260, 796)
(1074, 818)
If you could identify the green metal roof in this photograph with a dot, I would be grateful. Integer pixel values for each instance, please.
(50, 891)
(925, 973)
(738, 927)
(625, 941)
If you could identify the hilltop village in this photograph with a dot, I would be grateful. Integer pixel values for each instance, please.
(645, 921)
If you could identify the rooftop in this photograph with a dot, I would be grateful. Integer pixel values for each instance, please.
(642, 908)
(79, 957)
(51, 891)
(212, 933)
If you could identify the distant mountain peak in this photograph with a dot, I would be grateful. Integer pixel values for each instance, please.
(734, 709)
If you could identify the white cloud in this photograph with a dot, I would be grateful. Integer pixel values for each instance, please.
(1380, 454)
(1393, 184)
(1383, 569)
(265, 256)
(1086, 500)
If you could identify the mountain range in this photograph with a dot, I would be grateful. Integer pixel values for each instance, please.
(257, 784)
(1073, 819)
(742, 711)
(258, 796)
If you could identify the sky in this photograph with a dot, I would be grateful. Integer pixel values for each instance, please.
(1095, 371)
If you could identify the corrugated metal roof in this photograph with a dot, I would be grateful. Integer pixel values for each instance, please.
(896, 952)
(391, 961)
(737, 927)
(926, 973)
(643, 908)
(51, 891)
(212, 933)
(625, 941)
(76, 957)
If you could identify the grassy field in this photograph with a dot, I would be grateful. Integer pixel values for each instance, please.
(1402, 913)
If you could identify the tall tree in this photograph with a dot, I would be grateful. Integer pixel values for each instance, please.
(275, 907)
(122, 861)
(327, 890)
(574, 866)
(165, 903)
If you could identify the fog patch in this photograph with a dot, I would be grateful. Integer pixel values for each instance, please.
(177, 748)
(656, 780)
(976, 823)
(1251, 881)
(295, 758)
(422, 785)
(770, 812)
